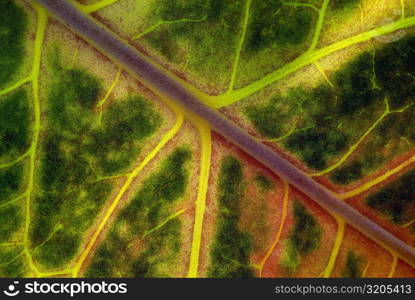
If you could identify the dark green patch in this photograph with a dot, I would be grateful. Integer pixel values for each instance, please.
(354, 170)
(356, 86)
(72, 95)
(14, 124)
(397, 200)
(171, 10)
(166, 186)
(15, 268)
(10, 182)
(77, 88)
(10, 221)
(13, 23)
(232, 247)
(100, 266)
(147, 210)
(61, 220)
(162, 246)
(304, 238)
(353, 267)
(316, 145)
(134, 119)
(210, 12)
(78, 149)
(342, 4)
(306, 233)
(397, 126)
(216, 32)
(264, 182)
(274, 24)
(270, 120)
(8, 253)
(395, 71)
(58, 247)
(348, 173)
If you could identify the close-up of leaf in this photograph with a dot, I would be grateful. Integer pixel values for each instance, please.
(207, 138)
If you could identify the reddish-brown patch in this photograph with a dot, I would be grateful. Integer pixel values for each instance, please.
(376, 260)
(313, 264)
(403, 270)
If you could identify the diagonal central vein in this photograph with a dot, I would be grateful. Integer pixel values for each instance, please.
(155, 78)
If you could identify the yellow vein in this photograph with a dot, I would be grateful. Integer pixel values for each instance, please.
(364, 273)
(408, 224)
(101, 178)
(51, 234)
(74, 57)
(368, 185)
(88, 9)
(40, 32)
(393, 265)
(111, 88)
(57, 273)
(13, 200)
(17, 160)
(167, 220)
(166, 22)
(336, 247)
(240, 45)
(205, 160)
(402, 9)
(318, 66)
(289, 133)
(8, 244)
(12, 260)
(319, 25)
(280, 228)
(300, 4)
(15, 86)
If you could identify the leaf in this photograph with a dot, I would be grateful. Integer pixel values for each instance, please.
(102, 174)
